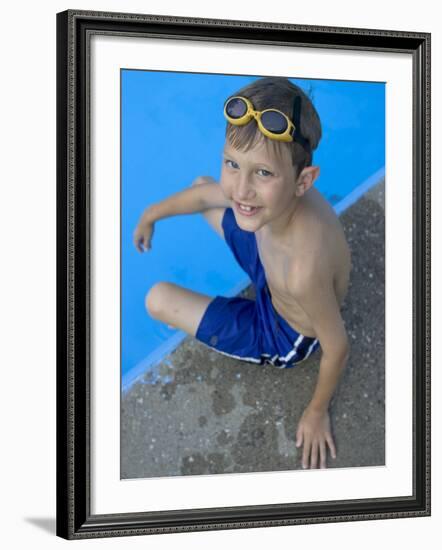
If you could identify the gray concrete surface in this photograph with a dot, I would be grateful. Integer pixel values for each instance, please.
(219, 415)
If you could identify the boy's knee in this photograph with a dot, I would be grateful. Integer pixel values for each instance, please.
(156, 298)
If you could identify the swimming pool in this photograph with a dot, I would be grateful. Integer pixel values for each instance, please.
(172, 130)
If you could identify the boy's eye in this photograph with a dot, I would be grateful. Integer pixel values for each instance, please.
(231, 163)
(264, 173)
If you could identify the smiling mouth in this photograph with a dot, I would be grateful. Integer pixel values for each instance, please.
(247, 210)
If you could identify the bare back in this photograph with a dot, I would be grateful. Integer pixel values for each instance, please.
(316, 232)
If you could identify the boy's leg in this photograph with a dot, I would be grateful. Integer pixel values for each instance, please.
(177, 306)
(214, 216)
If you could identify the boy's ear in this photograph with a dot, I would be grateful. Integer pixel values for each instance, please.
(306, 179)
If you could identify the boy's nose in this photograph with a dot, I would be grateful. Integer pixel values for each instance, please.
(245, 189)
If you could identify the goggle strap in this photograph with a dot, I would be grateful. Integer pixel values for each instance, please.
(297, 136)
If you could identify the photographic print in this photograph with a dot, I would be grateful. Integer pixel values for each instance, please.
(194, 405)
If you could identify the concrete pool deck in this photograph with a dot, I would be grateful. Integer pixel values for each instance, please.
(200, 412)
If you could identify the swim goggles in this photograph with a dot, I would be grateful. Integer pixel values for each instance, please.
(273, 123)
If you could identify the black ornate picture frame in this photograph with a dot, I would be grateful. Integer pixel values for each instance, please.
(74, 517)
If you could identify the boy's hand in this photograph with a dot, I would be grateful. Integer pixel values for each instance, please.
(314, 434)
(143, 233)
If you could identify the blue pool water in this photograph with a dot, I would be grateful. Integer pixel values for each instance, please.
(173, 131)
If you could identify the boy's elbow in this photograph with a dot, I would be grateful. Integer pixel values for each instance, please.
(338, 353)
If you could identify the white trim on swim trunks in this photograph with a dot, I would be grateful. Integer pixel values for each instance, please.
(309, 351)
(294, 351)
(275, 357)
(252, 359)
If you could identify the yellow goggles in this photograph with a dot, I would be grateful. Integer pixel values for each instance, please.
(273, 123)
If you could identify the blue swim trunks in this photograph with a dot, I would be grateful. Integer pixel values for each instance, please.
(250, 330)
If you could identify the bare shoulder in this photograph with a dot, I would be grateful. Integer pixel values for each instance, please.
(309, 272)
(318, 250)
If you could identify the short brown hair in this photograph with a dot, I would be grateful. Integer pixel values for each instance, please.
(278, 93)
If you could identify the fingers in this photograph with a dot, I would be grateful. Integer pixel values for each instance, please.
(331, 445)
(299, 437)
(139, 244)
(306, 453)
(314, 452)
(142, 243)
(322, 454)
(315, 436)
(314, 455)
(306, 441)
(143, 237)
(138, 240)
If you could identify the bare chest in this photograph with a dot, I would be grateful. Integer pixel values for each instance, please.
(277, 267)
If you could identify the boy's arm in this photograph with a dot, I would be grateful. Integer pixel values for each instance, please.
(316, 295)
(197, 198)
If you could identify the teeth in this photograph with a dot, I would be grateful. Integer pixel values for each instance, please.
(246, 208)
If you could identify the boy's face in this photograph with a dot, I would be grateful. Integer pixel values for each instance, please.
(260, 180)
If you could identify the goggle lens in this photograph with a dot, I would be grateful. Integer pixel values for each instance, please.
(236, 108)
(274, 122)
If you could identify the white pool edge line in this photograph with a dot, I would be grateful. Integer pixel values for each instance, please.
(175, 340)
(359, 191)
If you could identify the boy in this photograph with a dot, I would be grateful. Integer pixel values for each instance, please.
(287, 238)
